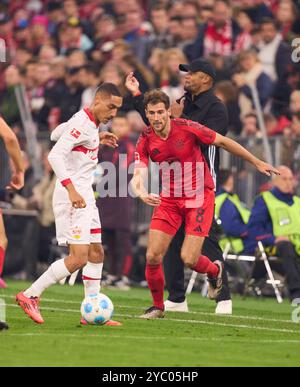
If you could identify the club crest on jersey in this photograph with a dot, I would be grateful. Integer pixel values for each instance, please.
(76, 232)
(75, 133)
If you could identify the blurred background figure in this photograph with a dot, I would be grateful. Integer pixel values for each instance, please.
(116, 212)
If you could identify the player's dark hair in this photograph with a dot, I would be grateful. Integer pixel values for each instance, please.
(224, 175)
(156, 96)
(109, 89)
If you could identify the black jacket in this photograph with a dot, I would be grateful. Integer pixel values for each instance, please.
(206, 109)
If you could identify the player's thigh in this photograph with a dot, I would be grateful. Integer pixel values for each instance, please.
(96, 253)
(198, 220)
(167, 217)
(158, 245)
(191, 249)
(3, 237)
(73, 226)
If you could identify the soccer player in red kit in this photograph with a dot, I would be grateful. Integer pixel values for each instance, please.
(187, 192)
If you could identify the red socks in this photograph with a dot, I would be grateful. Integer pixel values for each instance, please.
(2, 258)
(205, 266)
(156, 283)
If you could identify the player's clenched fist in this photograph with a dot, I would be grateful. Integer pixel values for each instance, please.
(76, 199)
(152, 200)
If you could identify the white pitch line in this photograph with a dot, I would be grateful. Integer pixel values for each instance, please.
(189, 338)
(256, 318)
(282, 330)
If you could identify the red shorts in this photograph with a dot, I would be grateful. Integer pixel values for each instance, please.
(169, 216)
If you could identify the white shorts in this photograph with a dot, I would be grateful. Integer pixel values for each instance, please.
(79, 226)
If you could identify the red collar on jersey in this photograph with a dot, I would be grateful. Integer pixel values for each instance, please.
(91, 117)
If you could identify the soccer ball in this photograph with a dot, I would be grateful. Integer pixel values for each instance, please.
(97, 309)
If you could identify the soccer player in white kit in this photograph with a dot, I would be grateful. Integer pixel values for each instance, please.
(74, 158)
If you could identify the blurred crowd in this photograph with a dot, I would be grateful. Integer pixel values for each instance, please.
(59, 51)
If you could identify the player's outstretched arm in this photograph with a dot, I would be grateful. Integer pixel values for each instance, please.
(238, 150)
(13, 149)
(138, 187)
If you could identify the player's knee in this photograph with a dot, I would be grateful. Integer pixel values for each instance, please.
(96, 254)
(188, 259)
(80, 260)
(153, 258)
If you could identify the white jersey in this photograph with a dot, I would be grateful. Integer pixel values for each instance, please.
(74, 157)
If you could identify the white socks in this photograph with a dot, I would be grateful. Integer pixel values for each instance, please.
(91, 277)
(56, 272)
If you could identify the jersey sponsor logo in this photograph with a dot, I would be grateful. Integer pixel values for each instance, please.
(75, 133)
(137, 158)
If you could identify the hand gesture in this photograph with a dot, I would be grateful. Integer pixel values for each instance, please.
(17, 181)
(109, 139)
(132, 84)
(266, 169)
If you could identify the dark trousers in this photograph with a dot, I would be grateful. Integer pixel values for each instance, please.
(287, 254)
(174, 267)
(118, 243)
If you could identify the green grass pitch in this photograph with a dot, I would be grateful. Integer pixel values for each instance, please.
(260, 333)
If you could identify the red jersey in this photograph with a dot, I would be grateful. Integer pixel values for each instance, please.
(182, 165)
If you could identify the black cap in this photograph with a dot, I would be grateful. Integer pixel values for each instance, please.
(199, 65)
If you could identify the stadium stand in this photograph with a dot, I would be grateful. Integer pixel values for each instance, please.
(58, 51)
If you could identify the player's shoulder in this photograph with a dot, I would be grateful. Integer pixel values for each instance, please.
(146, 133)
(183, 122)
(81, 121)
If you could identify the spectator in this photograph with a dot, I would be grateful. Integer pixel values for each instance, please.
(227, 92)
(275, 222)
(274, 53)
(47, 53)
(256, 9)
(296, 124)
(288, 147)
(170, 74)
(38, 33)
(90, 79)
(160, 37)
(246, 24)
(70, 102)
(234, 217)
(295, 101)
(252, 75)
(75, 58)
(8, 104)
(219, 35)
(286, 15)
(116, 233)
(55, 16)
(155, 63)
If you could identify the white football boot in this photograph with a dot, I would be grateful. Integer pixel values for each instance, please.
(176, 306)
(224, 307)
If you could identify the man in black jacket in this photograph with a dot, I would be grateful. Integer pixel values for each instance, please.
(199, 104)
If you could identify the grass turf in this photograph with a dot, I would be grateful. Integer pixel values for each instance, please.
(260, 333)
